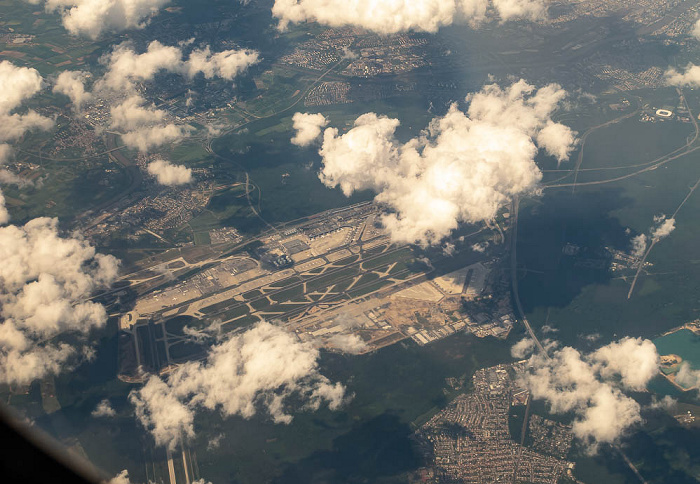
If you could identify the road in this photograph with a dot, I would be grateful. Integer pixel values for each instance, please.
(584, 137)
(684, 150)
(521, 313)
(514, 275)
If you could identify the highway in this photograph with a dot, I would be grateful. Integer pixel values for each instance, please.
(686, 149)
(514, 275)
(528, 327)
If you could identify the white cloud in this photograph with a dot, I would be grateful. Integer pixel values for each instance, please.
(5, 152)
(125, 66)
(103, 409)
(260, 368)
(145, 126)
(131, 114)
(348, 343)
(145, 139)
(522, 348)
(169, 174)
(557, 140)
(664, 227)
(639, 245)
(635, 360)
(44, 281)
(687, 377)
(4, 214)
(215, 442)
(121, 478)
(307, 127)
(591, 386)
(696, 30)
(462, 169)
(226, 64)
(19, 84)
(160, 409)
(92, 18)
(6, 176)
(690, 76)
(72, 84)
(480, 247)
(392, 16)
(666, 403)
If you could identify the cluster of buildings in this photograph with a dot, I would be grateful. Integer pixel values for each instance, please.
(388, 55)
(643, 12)
(333, 92)
(626, 80)
(168, 209)
(323, 50)
(15, 38)
(368, 54)
(666, 113)
(154, 213)
(549, 437)
(78, 135)
(224, 235)
(470, 442)
(460, 300)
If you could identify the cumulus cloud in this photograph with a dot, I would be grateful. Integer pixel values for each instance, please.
(480, 247)
(145, 139)
(634, 360)
(689, 76)
(462, 169)
(557, 140)
(5, 152)
(348, 343)
(121, 478)
(392, 16)
(663, 228)
(169, 174)
(132, 114)
(72, 84)
(522, 348)
(308, 127)
(666, 403)
(103, 409)
(18, 85)
(44, 281)
(687, 377)
(226, 64)
(4, 214)
(639, 245)
(6, 176)
(125, 66)
(160, 409)
(695, 32)
(144, 127)
(258, 369)
(592, 386)
(92, 18)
